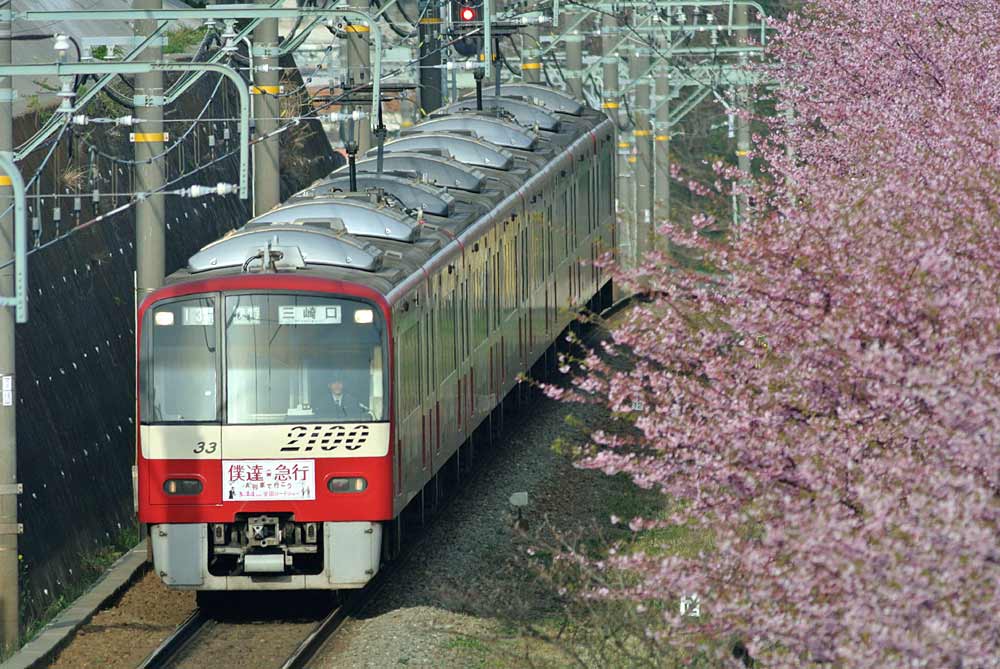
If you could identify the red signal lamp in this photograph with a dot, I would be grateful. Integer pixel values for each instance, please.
(467, 14)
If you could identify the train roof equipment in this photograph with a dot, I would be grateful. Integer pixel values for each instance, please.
(544, 96)
(464, 149)
(437, 180)
(496, 130)
(290, 248)
(524, 112)
(434, 169)
(412, 194)
(353, 215)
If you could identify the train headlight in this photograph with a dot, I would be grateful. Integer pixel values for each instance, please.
(355, 484)
(183, 487)
(164, 318)
(363, 316)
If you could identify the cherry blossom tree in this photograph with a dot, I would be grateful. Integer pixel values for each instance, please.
(825, 402)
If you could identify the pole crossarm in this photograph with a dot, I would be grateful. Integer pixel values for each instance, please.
(20, 298)
(692, 101)
(561, 37)
(54, 122)
(72, 69)
(254, 14)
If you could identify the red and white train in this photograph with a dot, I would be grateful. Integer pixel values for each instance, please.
(303, 379)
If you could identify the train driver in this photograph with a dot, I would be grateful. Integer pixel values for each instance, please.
(339, 404)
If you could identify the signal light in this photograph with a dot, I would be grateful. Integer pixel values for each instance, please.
(467, 14)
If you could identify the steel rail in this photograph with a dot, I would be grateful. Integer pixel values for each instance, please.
(311, 645)
(172, 646)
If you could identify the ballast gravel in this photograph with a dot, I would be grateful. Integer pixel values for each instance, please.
(121, 636)
(434, 610)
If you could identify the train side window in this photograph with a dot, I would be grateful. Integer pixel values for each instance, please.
(409, 371)
(446, 334)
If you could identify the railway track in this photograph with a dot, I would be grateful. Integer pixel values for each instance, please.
(199, 630)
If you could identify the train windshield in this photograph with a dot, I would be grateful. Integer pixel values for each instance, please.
(180, 366)
(303, 357)
(285, 359)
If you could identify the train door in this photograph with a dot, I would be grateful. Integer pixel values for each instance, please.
(429, 389)
(523, 258)
(500, 295)
(409, 383)
(449, 395)
(465, 399)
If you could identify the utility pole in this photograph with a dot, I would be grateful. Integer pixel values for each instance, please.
(9, 528)
(148, 138)
(646, 231)
(611, 104)
(429, 32)
(359, 68)
(574, 53)
(744, 106)
(266, 109)
(531, 67)
(661, 147)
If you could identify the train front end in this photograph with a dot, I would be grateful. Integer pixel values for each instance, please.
(264, 435)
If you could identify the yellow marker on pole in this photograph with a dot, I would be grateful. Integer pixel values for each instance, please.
(148, 137)
(261, 90)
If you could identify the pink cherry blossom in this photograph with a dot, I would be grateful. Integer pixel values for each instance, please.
(826, 404)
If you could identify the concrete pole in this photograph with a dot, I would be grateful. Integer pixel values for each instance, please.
(9, 594)
(611, 104)
(574, 53)
(430, 57)
(531, 68)
(661, 146)
(644, 153)
(266, 109)
(359, 69)
(744, 104)
(149, 173)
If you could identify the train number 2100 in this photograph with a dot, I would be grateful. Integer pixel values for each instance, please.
(326, 437)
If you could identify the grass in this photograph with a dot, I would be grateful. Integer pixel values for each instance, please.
(183, 39)
(548, 625)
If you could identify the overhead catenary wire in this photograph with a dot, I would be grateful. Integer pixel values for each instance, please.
(290, 123)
